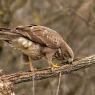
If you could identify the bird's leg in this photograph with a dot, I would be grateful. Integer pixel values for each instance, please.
(51, 64)
(49, 53)
(30, 64)
(32, 69)
(28, 61)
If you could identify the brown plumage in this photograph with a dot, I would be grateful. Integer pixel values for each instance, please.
(38, 42)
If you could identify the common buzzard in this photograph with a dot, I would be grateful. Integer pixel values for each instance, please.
(38, 41)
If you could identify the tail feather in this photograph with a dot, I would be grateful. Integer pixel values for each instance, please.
(7, 34)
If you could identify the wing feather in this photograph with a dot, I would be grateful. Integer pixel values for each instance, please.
(41, 35)
(7, 34)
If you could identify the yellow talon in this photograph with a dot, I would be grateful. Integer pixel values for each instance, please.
(53, 66)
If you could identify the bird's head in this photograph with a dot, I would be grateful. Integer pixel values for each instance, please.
(68, 55)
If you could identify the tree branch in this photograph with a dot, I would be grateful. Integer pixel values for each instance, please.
(8, 81)
(46, 73)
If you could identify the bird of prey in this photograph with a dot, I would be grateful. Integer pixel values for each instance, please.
(38, 41)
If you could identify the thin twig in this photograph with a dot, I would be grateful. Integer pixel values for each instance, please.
(33, 87)
(58, 87)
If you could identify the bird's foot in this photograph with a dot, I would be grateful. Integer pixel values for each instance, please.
(54, 66)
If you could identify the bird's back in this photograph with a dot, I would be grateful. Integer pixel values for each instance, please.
(41, 35)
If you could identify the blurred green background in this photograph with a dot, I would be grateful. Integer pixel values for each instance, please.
(58, 15)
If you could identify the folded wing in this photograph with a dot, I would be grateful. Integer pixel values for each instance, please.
(41, 35)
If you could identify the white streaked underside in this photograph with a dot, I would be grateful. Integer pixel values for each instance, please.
(27, 47)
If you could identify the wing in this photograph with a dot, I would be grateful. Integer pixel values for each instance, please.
(41, 35)
(7, 34)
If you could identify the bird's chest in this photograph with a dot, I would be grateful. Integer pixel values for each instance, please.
(27, 47)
